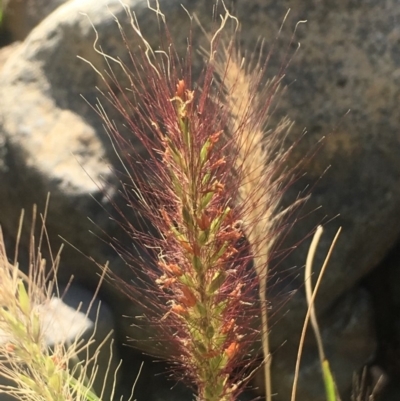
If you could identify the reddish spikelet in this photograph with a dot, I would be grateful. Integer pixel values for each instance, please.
(184, 188)
(198, 190)
(203, 255)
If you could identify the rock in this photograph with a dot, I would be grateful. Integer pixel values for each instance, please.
(6, 51)
(342, 64)
(20, 17)
(50, 144)
(383, 284)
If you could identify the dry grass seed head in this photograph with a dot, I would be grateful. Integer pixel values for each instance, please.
(38, 361)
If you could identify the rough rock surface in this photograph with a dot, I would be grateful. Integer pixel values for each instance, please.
(22, 16)
(6, 51)
(347, 60)
(383, 284)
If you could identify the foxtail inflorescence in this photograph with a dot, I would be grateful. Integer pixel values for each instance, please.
(209, 185)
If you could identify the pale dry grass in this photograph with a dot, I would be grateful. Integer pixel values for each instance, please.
(38, 351)
(259, 164)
